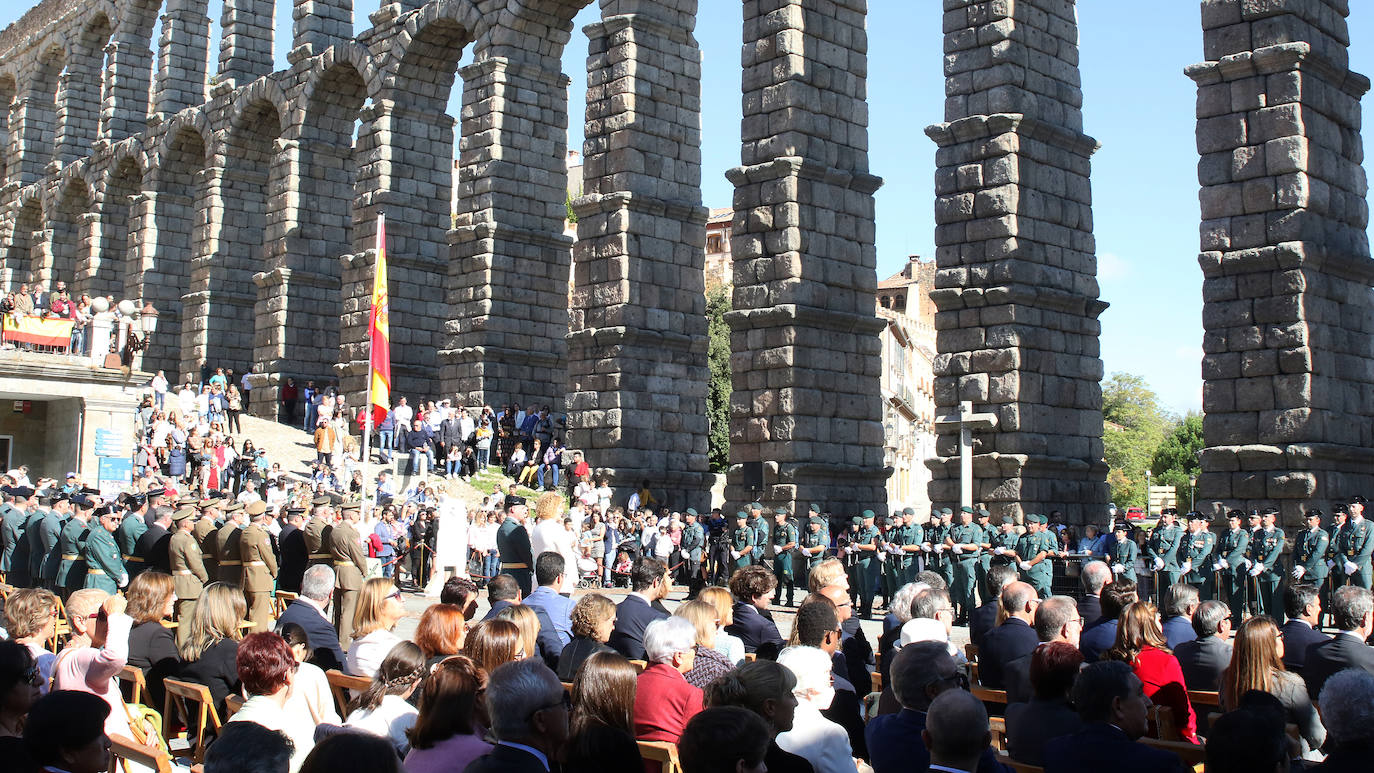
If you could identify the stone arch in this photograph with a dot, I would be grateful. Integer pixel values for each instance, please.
(129, 71)
(324, 73)
(78, 107)
(249, 99)
(70, 232)
(115, 258)
(26, 239)
(9, 88)
(427, 49)
(38, 113)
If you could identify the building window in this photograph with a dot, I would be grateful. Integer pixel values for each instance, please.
(901, 303)
(886, 301)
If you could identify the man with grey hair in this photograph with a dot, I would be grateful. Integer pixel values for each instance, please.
(1012, 639)
(1178, 614)
(1056, 619)
(1352, 610)
(1347, 702)
(957, 732)
(309, 612)
(529, 717)
(1096, 576)
(1204, 658)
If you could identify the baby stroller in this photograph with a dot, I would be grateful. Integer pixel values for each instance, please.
(588, 576)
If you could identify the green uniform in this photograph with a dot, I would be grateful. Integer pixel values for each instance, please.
(1124, 553)
(1162, 552)
(1361, 550)
(964, 590)
(761, 529)
(742, 543)
(1039, 575)
(1232, 550)
(1007, 541)
(104, 568)
(783, 537)
(50, 531)
(1197, 550)
(811, 556)
(693, 547)
(940, 560)
(71, 572)
(1338, 552)
(867, 568)
(126, 536)
(1265, 551)
(889, 558)
(980, 580)
(1310, 554)
(912, 536)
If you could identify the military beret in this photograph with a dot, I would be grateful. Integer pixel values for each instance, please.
(983, 513)
(1041, 519)
(255, 508)
(815, 508)
(908, 511)
(815, 520)
(741, 514)
(233, 507)
(184, 513)
(323, 499)
(755, 506)
(691, 511)
(857, 520)
(867, 514)
(946, 511)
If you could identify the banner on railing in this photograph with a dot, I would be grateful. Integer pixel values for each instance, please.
(39, 331)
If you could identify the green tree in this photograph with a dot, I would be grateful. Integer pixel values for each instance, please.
(1136, 426)
(1175, 461)
(718, 397)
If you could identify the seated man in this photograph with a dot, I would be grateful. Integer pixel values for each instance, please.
(1352, 610)
(1099, 637)
(1303, 605)
(1178, 614)
(1112, 703)
(957, 732)
(1204, 658)
(984, 618)
(308, 611)
(1346, 700)
(1013, 639)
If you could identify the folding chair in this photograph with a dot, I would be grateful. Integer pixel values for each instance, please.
(281, 601)
(232, 704)
(340, 683)
(998, 727)
(132, 676)
(205, 721)
(1204, 698)
(661, 752)
(994, 697)
(640, 665)
(124, 751)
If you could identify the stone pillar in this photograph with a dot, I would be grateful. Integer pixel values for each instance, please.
(245, 48)
(1288, 365)
(318, 24)
(127, 77)
(183, 55)
(806, 356)
(1016, 293)
(34, 125)
(508, 267)
(637, 370)
(160, 226)
(218, 326)
(40, 264)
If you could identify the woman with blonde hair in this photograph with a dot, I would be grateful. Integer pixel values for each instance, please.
(210, 650)
(1140, 644)
(548, 535)
(726, 644)
(527, 621)
(492, 643)
(31, 617)
(379, 610)
(709, 663)
(1257, 664)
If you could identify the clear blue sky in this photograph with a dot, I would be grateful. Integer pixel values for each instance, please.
(1137, 103)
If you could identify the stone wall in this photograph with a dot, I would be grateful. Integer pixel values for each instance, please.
(1289, 359)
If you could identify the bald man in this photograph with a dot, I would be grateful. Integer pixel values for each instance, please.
(956, 732)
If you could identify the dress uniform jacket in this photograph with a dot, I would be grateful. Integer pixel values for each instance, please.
(188, 567)
(33, 533)
(259, 563)
(346, 552)
(294, 558)
(206, 533)
(316, 550)
(127, 535)
(517, 558)
(104, 568)
(50, 530)
(1198, 549)
(1310, 554)
(230, 557)
(71, 573)
(11, 533)
(1361, 550)
(152, 548)
(1125, 553)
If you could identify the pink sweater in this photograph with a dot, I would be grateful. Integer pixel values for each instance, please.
(95, 670)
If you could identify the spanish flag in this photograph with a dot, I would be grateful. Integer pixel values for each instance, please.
(378, 333)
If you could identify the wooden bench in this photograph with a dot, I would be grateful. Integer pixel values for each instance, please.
(1204, 698)
(997, 726)
(204, 721)
(1190, 754)
(993, 697)
(340, 683)
(661, 752)
(125, 751)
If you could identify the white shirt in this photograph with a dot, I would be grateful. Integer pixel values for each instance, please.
(365, 655)
(549, 535)
(823, 743)
(390, 720)
(297, 726)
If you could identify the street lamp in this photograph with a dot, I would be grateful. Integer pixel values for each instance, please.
(147, 318)
(1192, 483)
(1147, 494)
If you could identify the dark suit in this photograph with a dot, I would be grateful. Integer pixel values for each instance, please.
(1003, 644)
(1178, 630)
(1297, 637)
(506, 759)
(1101, 747)
(578, 650)
(856, 653)
(1030, 725)
(895, 745)
(324, 638)
(154, 548)
(754, 629)
(1090, 608)
(980, 621)
(846, 710)
(1016, 680)
(632, 616)
(294, 557)
(1203, 660)
(513, 544)
(547, 641)
(1346, 759)
(1328, 657)
(1097, 639)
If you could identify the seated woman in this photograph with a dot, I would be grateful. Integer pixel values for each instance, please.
(441, 633)
(664, 701)
(19, 690)
(383, 709)
(31, 617)
(824, 742)
(707, 662)
(593, 617)
(1140, 644)
(492, 643)
(527, 620)
(727, 644)
(310, 693)
(210, 650)
(1049, 714)
(724, 738)
(765, 688)
(1257, 664)
(266, 668)
(752, 588)
(379, 609)
(152, 648)
(448, 729)
(601, 730)
(94, 666)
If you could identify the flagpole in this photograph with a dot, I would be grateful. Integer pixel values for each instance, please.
(367, 402)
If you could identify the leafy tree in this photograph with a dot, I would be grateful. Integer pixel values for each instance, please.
(718, 397)
(1175, 460)
(1136, 425)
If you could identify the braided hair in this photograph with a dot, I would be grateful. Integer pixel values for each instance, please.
(401, 669)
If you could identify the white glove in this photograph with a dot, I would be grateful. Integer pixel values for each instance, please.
(939, 548)
(777, 549)
(1255, 572)
(1223, 563)
(1187, 567)
(1247, 562)
(1330, 564)
(1216, 566)
(1159, 564)
(735, 554)
(1118, 568)
(997, 551)
(926, 547)
(1298, 572)
(1350, 568)
(123, 580)
(882, 557)
(1025, 566)
(958, 550)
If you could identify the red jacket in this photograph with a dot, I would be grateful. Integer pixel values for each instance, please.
(1163, 678)
(663, 703)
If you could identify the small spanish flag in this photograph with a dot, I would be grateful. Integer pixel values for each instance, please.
(378, 332)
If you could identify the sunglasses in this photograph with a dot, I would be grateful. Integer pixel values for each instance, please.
(396, 594)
